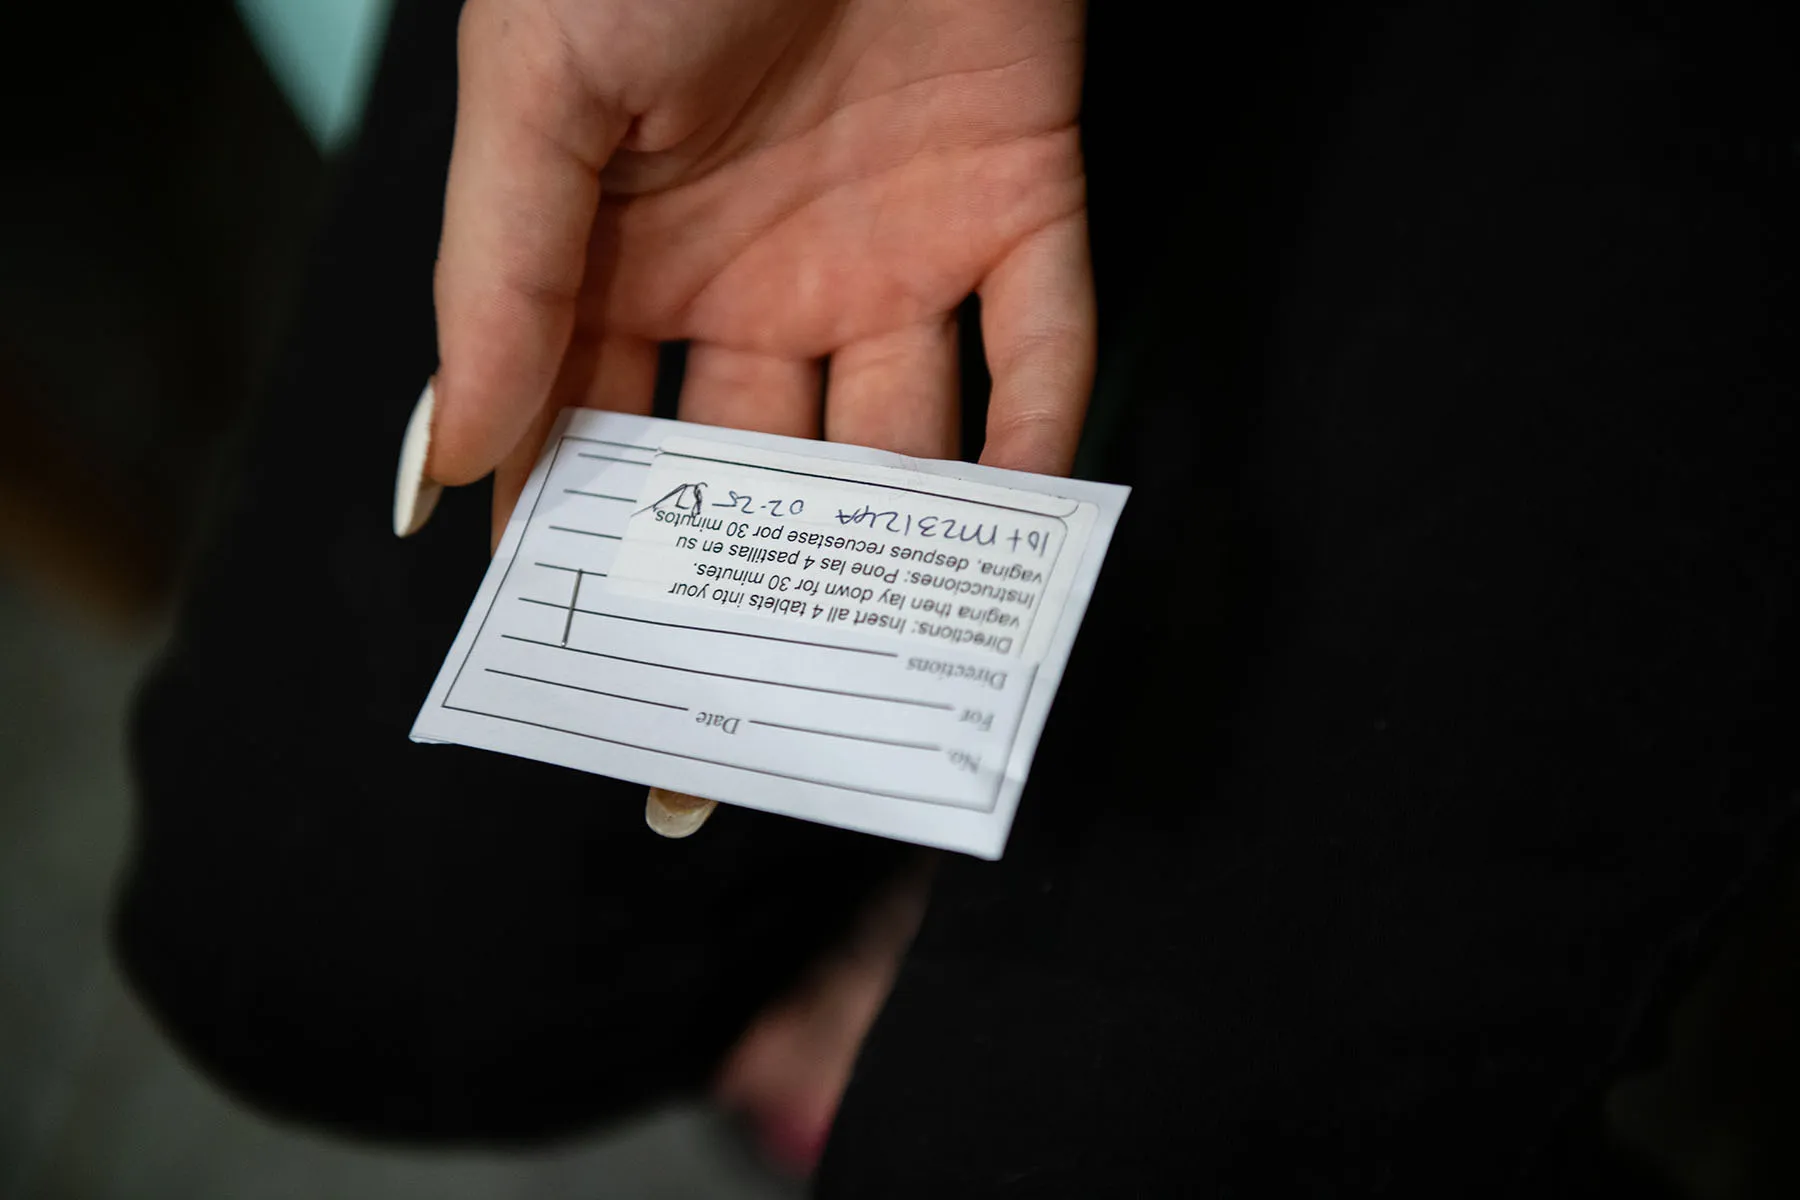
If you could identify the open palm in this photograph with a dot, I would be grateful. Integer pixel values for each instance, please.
(782, 182)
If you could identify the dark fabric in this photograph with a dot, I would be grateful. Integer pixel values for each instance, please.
(1357, 849)
(1434, 707)
(401, 940)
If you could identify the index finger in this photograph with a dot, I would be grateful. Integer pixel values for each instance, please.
(524, 186)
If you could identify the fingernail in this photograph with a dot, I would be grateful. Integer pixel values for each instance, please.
(414, 495)
(676, 814)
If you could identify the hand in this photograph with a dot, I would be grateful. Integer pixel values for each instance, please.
(781, 182)
(787, 1073)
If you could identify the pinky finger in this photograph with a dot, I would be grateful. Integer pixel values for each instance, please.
(1038, 321)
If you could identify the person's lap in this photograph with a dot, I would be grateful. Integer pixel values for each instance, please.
(1427, 705)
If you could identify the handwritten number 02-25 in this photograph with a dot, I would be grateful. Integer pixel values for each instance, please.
(745, 503)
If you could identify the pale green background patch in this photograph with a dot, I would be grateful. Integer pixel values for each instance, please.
(322, 53)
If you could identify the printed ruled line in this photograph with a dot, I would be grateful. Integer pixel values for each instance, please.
(597, 495)
(611, 458)
(855, 737)
(765, 637)
(804, 687)
(717, 762)
(560, 567)
(603, 442)
(611, 537)
(576, 687)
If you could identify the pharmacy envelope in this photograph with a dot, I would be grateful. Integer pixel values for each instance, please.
(830, 632)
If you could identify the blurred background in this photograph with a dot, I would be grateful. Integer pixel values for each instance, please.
(165, 169)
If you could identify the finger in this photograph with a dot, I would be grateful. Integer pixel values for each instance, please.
(523, 187)
(676, 814)
(1037, 319)
(617, 375)
(512, 471)
(742, 389)
(615, 372)
(897, 391)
